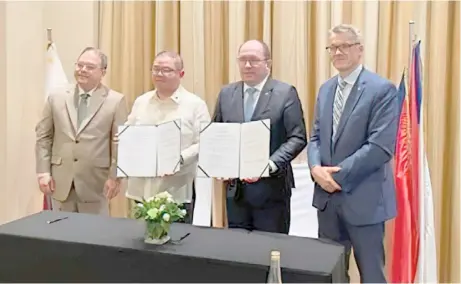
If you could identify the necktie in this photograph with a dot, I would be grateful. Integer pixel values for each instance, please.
(338, 106)
(250, 103)
(82, 108)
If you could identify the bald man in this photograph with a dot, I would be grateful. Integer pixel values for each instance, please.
(263, 203)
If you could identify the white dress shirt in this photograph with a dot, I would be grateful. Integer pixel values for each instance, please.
(149, 109)
(81, 92)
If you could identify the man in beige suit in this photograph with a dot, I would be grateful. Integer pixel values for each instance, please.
(170, 101)
(75, 152)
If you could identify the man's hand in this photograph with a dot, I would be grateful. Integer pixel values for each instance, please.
(250, 180)
(322, 176)
(111, 188)
(115, 139)
(46, 183)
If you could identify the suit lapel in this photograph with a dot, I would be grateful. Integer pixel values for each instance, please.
(328, 121)
(354, 96)
(96, 100)
(72, 108)
(237, 102)
(264, 98)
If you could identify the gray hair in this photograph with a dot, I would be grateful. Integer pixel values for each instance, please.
(99, 52)
(178, 62)
(345, 28)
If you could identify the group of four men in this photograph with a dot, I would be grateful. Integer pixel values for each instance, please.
(349, 150)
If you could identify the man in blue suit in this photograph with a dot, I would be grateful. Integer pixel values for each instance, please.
(350, 153)
(263, 203)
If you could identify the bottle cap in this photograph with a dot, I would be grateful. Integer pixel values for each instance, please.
(275, 253)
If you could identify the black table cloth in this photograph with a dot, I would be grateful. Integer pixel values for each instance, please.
(91, 248)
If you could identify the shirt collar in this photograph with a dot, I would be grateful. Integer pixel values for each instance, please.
(81, 91)
(258, 87)
(351, 78)
(175, 97)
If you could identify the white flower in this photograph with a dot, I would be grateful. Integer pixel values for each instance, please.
(150, 199)
(164, 194)
(140, 205)
(152, 213)
(166, 217)
(170, 200)
(183, 212)
(162, 207)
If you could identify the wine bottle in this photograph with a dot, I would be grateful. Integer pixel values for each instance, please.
(275, 272)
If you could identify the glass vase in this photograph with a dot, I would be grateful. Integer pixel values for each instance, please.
(157, 233)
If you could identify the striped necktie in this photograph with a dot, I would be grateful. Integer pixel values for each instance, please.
(338, 105)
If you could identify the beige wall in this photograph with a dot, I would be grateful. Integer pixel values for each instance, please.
(23, 41)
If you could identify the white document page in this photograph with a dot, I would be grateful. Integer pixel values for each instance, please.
(168, 147)
(219, 150)
(203, 200)
(254, 149)
(137, 153)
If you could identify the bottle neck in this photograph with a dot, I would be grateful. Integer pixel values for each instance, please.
(275, 262)
(275, 273)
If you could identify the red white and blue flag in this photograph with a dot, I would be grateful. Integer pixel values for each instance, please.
(414, 256)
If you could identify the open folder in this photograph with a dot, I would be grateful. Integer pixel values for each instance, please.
(234, 150)
(149, 150)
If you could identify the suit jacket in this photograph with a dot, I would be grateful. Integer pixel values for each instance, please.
(87, 155)
(363, 148)
(280, 103)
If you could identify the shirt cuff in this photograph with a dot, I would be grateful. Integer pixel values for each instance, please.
(42, 175)
(272, 167)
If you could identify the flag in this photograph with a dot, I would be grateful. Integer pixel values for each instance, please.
(55, 75)
(54, 78)
(401, 92)
(405, 224)
(413, 250)
(427, 258)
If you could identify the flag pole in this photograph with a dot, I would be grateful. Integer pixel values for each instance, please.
(49, 37)
(412, 36)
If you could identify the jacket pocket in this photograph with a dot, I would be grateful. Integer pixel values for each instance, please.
(56, 160)
(101, 162)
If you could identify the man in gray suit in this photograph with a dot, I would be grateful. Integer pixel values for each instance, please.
(350, 153)
(263, 204)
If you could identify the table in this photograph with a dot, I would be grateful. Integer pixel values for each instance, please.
(91, 248)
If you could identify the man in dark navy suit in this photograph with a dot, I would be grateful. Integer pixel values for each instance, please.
(263, 203)
(350, 154)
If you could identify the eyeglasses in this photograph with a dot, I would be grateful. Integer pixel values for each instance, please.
(164, 71)
(88, 67)
(344, 48)
(252, 62)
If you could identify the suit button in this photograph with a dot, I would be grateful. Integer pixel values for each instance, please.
(75, 160)
(76, 141)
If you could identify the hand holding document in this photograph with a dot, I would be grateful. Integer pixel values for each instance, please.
(234, 150)
(149, 150)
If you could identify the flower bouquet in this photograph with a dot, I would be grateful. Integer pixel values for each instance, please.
(159, 212)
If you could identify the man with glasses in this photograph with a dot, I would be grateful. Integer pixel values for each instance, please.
(263, 203)
(75, 152)
(170, 101)
(350, 154)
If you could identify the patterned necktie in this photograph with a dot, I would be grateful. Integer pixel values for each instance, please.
(82, 108)
(338, 106)
(250, 103)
